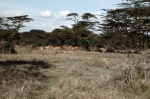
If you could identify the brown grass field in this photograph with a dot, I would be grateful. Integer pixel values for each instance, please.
(60, 74)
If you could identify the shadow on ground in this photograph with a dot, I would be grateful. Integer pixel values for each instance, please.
(22, 75)
(33, 64)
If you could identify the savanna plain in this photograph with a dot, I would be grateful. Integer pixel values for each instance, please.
(61, 74)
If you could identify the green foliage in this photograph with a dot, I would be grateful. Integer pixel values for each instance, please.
(18, 21)
(87, 16)
(59, 37)
(130, 23)
(54, 37)
(66, 35)
(84, 43)
(8, 35)
(7, 47)
(83, 30)
(9, 27)
(88, 41)
(35, 37)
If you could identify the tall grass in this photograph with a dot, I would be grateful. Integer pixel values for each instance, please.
(74, 75)
(19, 79)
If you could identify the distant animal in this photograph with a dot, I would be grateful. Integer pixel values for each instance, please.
(16, 46)
(46, 47)
(29, 46)
(74, 48)
(57, 48)
(42, 47)
(103, 49)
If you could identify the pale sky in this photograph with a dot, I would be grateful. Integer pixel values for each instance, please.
(51, 14)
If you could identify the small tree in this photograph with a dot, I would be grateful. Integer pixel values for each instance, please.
(9, 27)
(82, 27)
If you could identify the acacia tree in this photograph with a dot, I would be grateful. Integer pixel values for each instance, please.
(140, 14)
(14, 23)
(82, 28)
(9, 27)
(74, 17)
(130, 23)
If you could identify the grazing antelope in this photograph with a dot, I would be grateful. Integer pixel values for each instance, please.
(29, 46)
(16, 46)
(57, 48)
(74, 48)
(64, 47)
(69, 47)
(42, 47)
(102, 49)
(46, 47)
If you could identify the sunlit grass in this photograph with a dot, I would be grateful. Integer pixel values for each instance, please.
(64, 74)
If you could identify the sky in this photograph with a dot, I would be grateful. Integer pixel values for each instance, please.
(51, 14)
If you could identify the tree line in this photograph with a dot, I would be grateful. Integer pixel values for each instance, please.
(127, 26)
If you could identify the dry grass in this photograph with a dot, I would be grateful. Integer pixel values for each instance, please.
(74, 75)
(17, 83)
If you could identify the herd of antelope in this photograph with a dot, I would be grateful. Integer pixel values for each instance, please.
(68, 48)
(58, 47)
(50, 47)
(72, 48)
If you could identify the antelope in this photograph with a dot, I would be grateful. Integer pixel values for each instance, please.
(102, 49)
(46, 47)
(57, 48)
(16, 46)
(29, 45)
(74, 48)
(42, 47)
(69, 48)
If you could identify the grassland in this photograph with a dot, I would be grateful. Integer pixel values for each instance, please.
(36, 74)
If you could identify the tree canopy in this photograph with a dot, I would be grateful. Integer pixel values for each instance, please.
(9, 27)
(130, 22)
